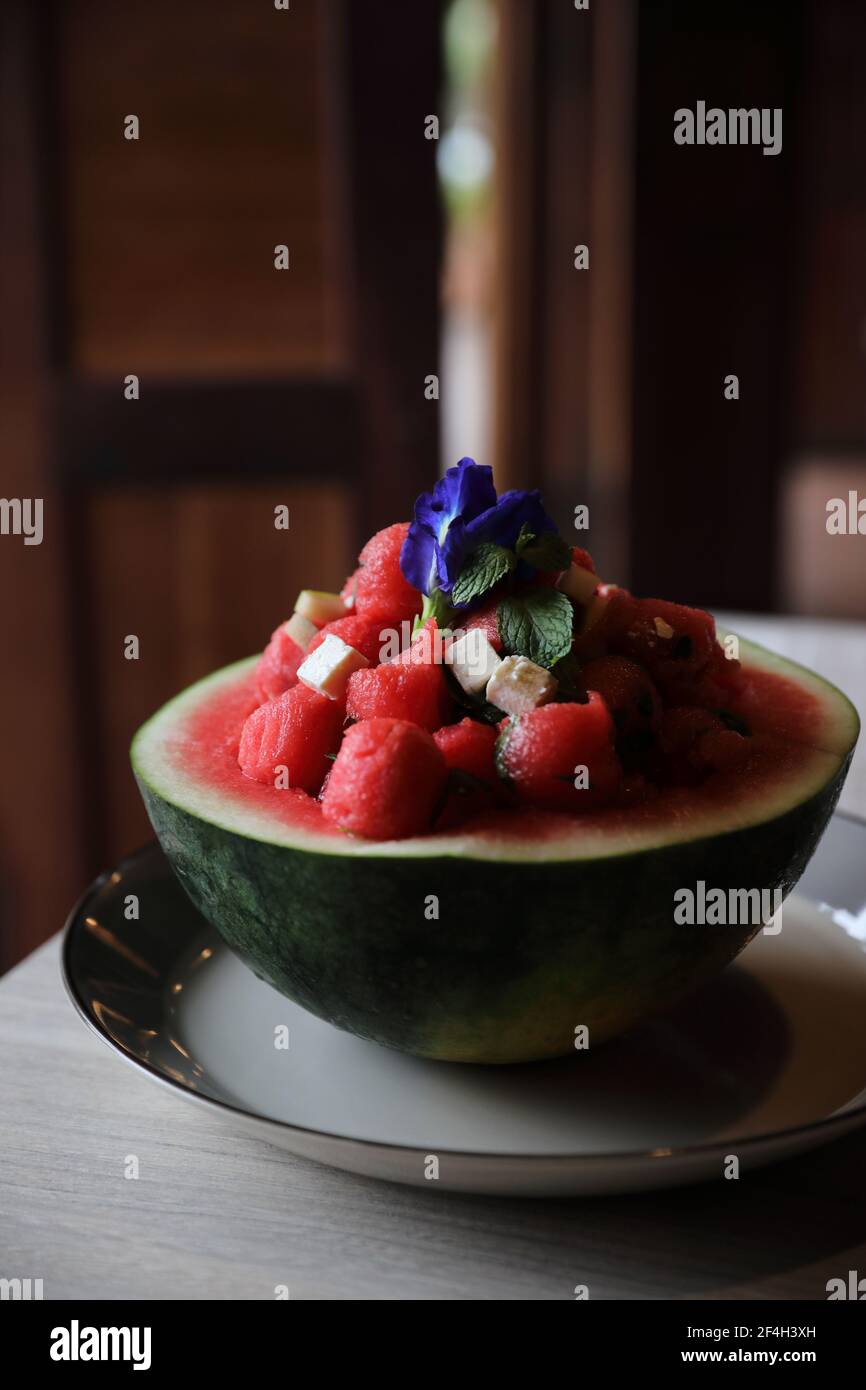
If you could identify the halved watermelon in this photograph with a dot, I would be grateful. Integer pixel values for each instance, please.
(542, 921)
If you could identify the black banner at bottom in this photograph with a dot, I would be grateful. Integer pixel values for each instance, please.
(66, 1338)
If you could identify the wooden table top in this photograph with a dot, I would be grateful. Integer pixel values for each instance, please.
(218, 1215)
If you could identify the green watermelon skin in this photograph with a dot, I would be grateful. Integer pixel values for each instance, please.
(521, 953)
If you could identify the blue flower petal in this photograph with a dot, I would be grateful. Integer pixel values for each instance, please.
(418, 556)
(524, 509)
(469, 487)
(465, 490)
(460, 513)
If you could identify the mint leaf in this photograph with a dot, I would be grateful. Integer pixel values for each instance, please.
(537, 625)
(435, 605)
(484, 568)
(545, 552)
(525, 537)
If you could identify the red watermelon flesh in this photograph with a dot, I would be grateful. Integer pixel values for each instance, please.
(429, 647)
(627, 691)
(386, 781)
(278, 664)
(663, 633)
(677, 761)
(583, 558)
(801, 730)
(411, 691)
(723, 750)
(468, 747)
(294, 732)
(484, 618)
(542, 751)
(694, 741)
(381, 589)
(348, 591)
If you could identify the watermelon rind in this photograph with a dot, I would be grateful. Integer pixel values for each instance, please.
(486, 947)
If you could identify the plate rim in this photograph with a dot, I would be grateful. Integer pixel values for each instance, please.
(840, 1120)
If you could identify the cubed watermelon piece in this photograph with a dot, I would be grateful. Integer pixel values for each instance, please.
(683, 726)
(717, 686)
(541, 753)
(278, 664)
(414, 691)
(628, 692)
(670, 639)
(468, 746)
(723, 750)
(386, 782)
(381, 588)
(679, 761)
(485, 619)
(362, 633)
(296, 731)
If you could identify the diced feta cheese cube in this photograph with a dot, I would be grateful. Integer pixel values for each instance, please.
(473, 660)
(301, 630)
(329, 667)
(662, 628)
(320, 607)
(579, 584)
(518, 685)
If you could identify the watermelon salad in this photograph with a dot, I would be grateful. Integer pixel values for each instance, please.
(521, 680)
(449, 807)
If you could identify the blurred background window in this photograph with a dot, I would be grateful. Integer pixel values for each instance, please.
(466, 166)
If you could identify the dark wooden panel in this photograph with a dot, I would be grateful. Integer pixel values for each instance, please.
(392, 73)
(41, 853)
(714, 268)
(520, 212)
(171, 237)
(560, 347)
(830, 410)
(238, 430)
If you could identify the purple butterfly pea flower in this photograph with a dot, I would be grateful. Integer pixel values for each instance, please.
(452, 521)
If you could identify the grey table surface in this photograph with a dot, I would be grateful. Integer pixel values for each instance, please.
(217, 1215)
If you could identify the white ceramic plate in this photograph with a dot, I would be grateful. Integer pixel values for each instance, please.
(766, 1061)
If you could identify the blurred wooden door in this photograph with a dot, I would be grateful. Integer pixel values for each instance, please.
(257, 387)
(701, 263)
